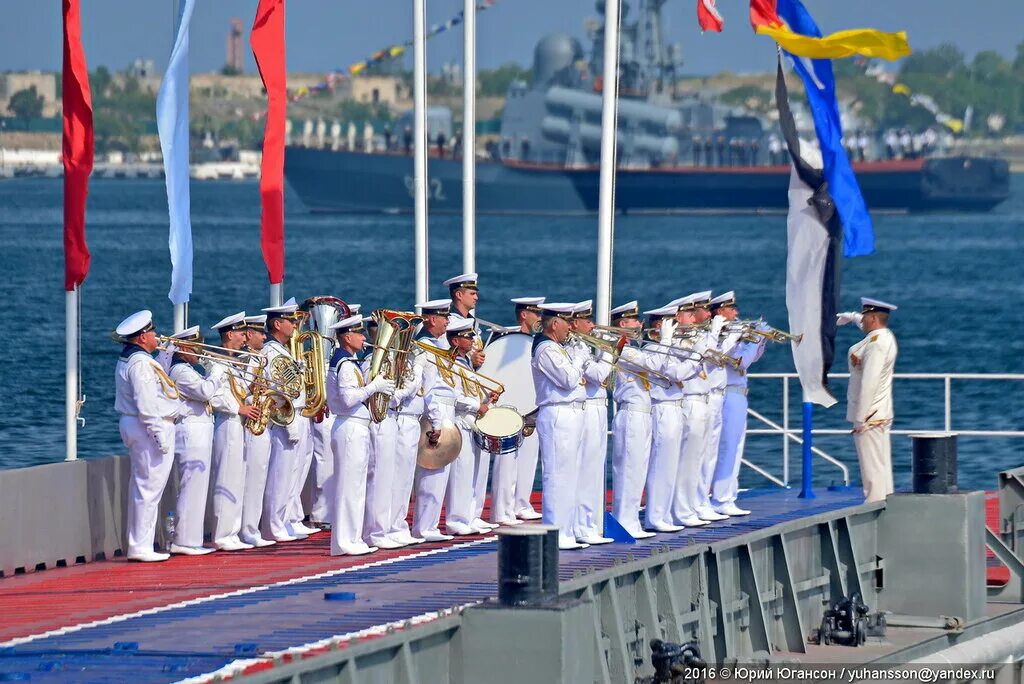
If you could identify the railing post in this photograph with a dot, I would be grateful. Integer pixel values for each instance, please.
(807, 486)
(785, 430)
(948, 381)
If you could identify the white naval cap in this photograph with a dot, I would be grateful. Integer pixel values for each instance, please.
(702, 298)
(462, 280)
(869, 305)
(350, 324)
(435, 306)
(528, 303)
(627, 310)
(138, 322)
(459, 325)
(680, 301)
(559, 309)
(191, 334)
(289, 309)
(232, 322)
(584, 309)
(723, 300)
(354, 308)
(662, 312)
(256, 322)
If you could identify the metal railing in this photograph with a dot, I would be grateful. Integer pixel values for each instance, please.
(791, 434)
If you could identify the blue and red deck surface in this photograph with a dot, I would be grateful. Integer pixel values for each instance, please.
(114, 620)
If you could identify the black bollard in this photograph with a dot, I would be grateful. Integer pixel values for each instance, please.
(934, 463)
(550, 572)
(520, 566)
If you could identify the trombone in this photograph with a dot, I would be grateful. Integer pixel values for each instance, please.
(211, 352)
(715, 358)
(473, 382)
(751, 333)
(615, 350)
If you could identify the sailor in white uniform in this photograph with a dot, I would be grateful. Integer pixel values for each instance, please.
(467, 475)
(465, 293)
(257, 447)
(230, 414)
(869, 405)
(439, 407)
(561, 392)
(321, 428)
(591, 490)
(668, 422)
(148, 402)
(514, 473)
(631, 429)
(193, 440)
(287, 443)
(725, 483)
(347, 393)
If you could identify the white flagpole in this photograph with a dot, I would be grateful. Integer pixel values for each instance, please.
(609, 123)
(419, 15)
(469, 137)
(71, 374)
(276, 294)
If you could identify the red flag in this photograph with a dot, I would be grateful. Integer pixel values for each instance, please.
(708, 16)
(78, 147)
(763, 13)
(267, 40)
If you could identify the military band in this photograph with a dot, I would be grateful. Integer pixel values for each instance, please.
(411, 433)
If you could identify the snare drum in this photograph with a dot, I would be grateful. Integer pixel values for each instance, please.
(500, 431)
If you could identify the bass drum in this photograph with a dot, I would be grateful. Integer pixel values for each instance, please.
(509, 361)
(500, 431)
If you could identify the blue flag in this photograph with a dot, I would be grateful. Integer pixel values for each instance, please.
(172, 124)
(820, 86)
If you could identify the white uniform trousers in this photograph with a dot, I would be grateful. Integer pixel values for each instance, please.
(874, 451)
(667, 424)
(526, 472)
(257, 461)
(481, 472)
(303, 464)
(503, 487)
(350, 443)
(407, 439)
(459, 500)
(323, 470)
(228, 477)
(193, 449)
(283, 454)
(380, 480)
(631, 453)
(590, 502)
(695, 422)
(561, 439)
(151, 463)
(431, 485)
(712, 437)
(725, 484)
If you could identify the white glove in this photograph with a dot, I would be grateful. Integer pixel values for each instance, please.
(717, 323)
(848, 317)
(604, 357)
(668, 331)
(381, 384)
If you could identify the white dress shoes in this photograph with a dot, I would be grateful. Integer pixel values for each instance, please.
(460, 530)
(151, 557)
(302, 529)
(640, 534)
(258, 542)
(359, 549)
(665, 527)
(732, 509)
(482, 524)
(405, 538)
(233, 544)
(191, 550)
(287, 538)
(510, 522)
(693, 521)
(710, 515)
(595, 541)
(529, 515)
(436, 537)
(571, 546)
(387, 543)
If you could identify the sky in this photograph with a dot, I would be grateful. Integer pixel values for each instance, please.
(324, 35)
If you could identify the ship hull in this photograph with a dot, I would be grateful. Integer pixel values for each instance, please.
(338, 181)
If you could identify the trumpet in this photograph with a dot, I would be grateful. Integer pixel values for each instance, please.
(473, 382)
(715, 358)
(610, 330)
(649, 377)
(776, 335)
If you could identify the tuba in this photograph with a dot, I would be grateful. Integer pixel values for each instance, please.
(312, 347)
(391, 348)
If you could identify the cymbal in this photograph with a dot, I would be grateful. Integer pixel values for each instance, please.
(446, 451)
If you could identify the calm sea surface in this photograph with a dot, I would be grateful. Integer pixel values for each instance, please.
(957, 279)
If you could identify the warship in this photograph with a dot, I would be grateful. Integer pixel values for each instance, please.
(678, 152)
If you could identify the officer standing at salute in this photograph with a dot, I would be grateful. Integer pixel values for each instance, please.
(590, 501)
(148, 402)
(560, 398)
(725, 483)
(347, 393)
(869, 403)
(257, 447)
(193, 441)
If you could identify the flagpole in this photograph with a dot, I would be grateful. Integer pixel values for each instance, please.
(180, 310)
(276, 294)
(807, 473)
(71, 374)
(419, 14)
(469, 137)
(609, 124)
